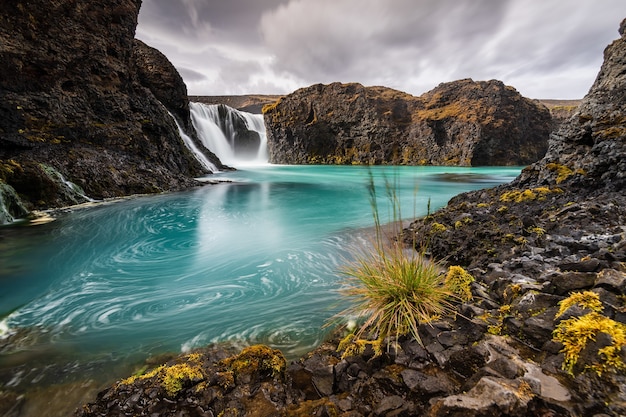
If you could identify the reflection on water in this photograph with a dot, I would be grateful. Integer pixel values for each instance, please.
(251, 261)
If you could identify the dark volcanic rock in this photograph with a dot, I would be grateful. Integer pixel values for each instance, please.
(80, 97)
(559, 228)
(460, 123)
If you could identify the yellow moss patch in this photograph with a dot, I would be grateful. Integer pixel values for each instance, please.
(586, 299)
(352, 346)
(174, 376)
(151, 374)
(270, 106)
(519, 196)
(563, 172)
(458, 280)
(539, 231)
(438, 227)
(257, 358)
(576, 332)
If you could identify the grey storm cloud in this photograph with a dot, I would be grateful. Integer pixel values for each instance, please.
(545, 49)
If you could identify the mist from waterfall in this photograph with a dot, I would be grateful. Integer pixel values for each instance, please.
(231, 134)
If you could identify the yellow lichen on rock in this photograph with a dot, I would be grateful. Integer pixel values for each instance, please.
(586, 299)
(577, 332)
(257, 358)
(173, 377)
(459, 281)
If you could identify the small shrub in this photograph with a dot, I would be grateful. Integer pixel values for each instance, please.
(396, 292)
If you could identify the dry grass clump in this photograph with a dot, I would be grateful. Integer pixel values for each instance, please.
(394, 289)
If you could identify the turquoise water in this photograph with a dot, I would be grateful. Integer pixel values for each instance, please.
(253, 260)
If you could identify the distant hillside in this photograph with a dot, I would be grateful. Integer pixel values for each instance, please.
(252, 103)
(561, 110)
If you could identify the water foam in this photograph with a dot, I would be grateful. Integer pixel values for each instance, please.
(219, 134)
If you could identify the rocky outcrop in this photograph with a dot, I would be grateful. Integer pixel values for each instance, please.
(460, 123)
(82, 102)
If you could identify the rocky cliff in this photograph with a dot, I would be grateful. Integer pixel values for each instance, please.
(81, 101)
(460, 123)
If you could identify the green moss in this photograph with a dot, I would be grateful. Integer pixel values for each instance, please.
(539, 231)
(438, 227)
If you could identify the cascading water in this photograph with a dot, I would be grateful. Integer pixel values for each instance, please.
(193, 148)
(10, 208)
(236, 137)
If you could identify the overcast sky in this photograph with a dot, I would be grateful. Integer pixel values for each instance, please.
(543, 48)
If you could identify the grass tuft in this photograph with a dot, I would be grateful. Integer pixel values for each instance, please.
(394, 289)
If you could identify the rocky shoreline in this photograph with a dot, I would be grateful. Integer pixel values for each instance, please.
(545, 334)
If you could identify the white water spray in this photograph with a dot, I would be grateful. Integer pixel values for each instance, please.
(201, 157)
(221, 135)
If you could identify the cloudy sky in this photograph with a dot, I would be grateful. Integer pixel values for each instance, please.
(543, 48)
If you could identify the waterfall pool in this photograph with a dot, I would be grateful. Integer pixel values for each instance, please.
(254, 260)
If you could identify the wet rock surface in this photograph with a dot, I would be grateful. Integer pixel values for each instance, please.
(464, 123)
(80, 98)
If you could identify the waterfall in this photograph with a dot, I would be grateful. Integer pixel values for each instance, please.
(201, 157)
(236, 137)
(73, 191)
(10, 206)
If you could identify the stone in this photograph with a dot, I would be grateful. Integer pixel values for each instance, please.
(565, 282)
(389, 403)
(490, 397)
(322, 373)
(612, 279)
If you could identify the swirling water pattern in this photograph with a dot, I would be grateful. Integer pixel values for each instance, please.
(254, 260)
